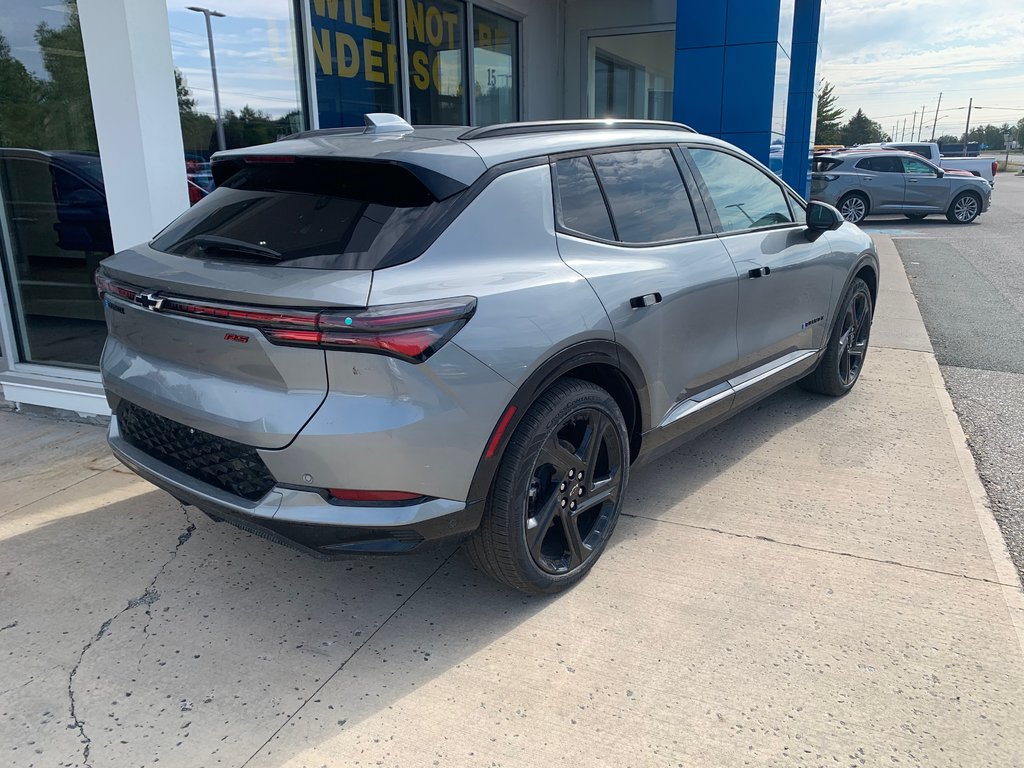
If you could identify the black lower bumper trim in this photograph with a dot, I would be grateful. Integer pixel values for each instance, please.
(335, 541)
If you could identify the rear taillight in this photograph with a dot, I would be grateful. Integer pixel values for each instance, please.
(411, 331)
(995, 168)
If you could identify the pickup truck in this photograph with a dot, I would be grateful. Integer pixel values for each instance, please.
(985, 167)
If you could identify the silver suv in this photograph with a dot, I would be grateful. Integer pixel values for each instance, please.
(863, 183)
(371, 340)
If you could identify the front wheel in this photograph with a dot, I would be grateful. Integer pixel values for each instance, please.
(840, 366)
(964, 209)
(854, 207)
(558, 491)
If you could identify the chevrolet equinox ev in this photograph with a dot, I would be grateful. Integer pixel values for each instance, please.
(373, 340)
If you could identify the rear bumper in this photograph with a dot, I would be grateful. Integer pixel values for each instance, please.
(305, 520)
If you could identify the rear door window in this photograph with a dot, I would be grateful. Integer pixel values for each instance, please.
(648, 200)
(744, 196)
(581, 206)
(304, 212)
(882, 164)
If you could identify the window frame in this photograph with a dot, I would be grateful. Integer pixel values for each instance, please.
(709, 203)
(703, 222)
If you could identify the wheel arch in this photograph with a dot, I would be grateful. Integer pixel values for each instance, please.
(867, 269)
(601, 362)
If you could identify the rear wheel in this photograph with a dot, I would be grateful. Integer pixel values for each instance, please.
(854, 207)
(843, 360)
(964, 209)
(558, 491)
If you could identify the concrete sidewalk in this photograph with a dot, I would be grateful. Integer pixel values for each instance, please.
(817, 582)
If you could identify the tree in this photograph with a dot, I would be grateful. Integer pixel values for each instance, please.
(21, 111)
(197, 129)
(947, 138)
(861, 130)
(827, 126)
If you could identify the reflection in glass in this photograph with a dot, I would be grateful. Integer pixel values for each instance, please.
(495, 68)
(631, 75)
(437, 72)
(744, 196)
(258, 73)
(54, 228)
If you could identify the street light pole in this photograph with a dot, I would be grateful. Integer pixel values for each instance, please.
(967, 130)
(207, 13)
(936, 123)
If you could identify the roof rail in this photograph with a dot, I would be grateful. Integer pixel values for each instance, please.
(555, 126)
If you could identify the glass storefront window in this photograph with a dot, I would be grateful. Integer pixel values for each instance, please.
(631, 75)
(258, 77)
(437, 62)
(355, 59)
(54, 227)
(496, 67)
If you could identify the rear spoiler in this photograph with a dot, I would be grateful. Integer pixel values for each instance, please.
(370, 172)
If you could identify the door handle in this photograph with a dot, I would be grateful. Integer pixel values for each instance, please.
(647, 300)
(759, 272)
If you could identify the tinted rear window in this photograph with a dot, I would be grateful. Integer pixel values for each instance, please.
(824, 164)
(645, 191)
(881, 164)
(581, 205)
(318, 214)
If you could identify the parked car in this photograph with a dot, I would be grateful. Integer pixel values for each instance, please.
(985, 167)
(868, 182)
(364, 346)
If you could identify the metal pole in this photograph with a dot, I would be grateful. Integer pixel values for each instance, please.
(920, 128)
(967, 130)
(207, 13)
(936, 123)
(913, 125)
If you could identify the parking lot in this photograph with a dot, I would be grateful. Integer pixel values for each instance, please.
(817, 582)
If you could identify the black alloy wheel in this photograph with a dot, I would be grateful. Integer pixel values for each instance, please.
(853, 338)
(842, 361)
(574, 492)
(557, 493)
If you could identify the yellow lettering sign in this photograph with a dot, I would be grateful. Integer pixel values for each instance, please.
(322, 49)
(420, 70)
(435, 26)
(373, 54)
(348, 54)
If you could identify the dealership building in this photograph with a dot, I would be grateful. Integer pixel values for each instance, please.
(105, 136)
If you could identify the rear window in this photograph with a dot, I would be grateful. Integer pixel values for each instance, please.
(881, 164)
(825, 164)
(312, 213)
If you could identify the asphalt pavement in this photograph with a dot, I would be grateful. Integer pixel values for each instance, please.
(969, 284)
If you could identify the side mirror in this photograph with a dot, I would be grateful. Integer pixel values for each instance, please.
(822, 217)
(940, 172)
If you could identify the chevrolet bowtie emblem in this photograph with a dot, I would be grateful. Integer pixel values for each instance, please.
(149, 300)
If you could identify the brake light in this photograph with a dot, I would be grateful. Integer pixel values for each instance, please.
(105, 285)
(995, 168)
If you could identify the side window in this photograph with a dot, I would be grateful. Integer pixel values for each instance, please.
(646, 195)
(887, 164)
(744, 196)
(580, 203)
(913, 165)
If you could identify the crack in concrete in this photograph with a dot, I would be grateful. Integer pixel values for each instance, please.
(768, 539)
(149, 596)
(12, 625)
(347, 660)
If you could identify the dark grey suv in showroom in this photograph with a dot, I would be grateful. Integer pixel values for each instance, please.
(372, 340)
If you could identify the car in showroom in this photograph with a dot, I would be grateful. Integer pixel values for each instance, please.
(374, 340)
(870, 182)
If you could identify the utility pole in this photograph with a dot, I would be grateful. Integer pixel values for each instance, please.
(903, 130)
(221, 144)
(936, 123)
(920, 128)
(967, 130)
(913, 123)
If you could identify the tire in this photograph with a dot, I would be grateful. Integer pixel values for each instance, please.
(964, 209)
(854, 207)
(525, 539)
(915, 216)
(841, 364)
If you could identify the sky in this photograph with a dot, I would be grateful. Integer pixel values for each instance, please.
(892, 58)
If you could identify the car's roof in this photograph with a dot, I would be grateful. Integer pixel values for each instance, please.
(464, 154)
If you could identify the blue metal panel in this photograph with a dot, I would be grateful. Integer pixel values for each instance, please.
(698, 99)
(800, 114)
(751, 21)
(748, 87)
(699, 24)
